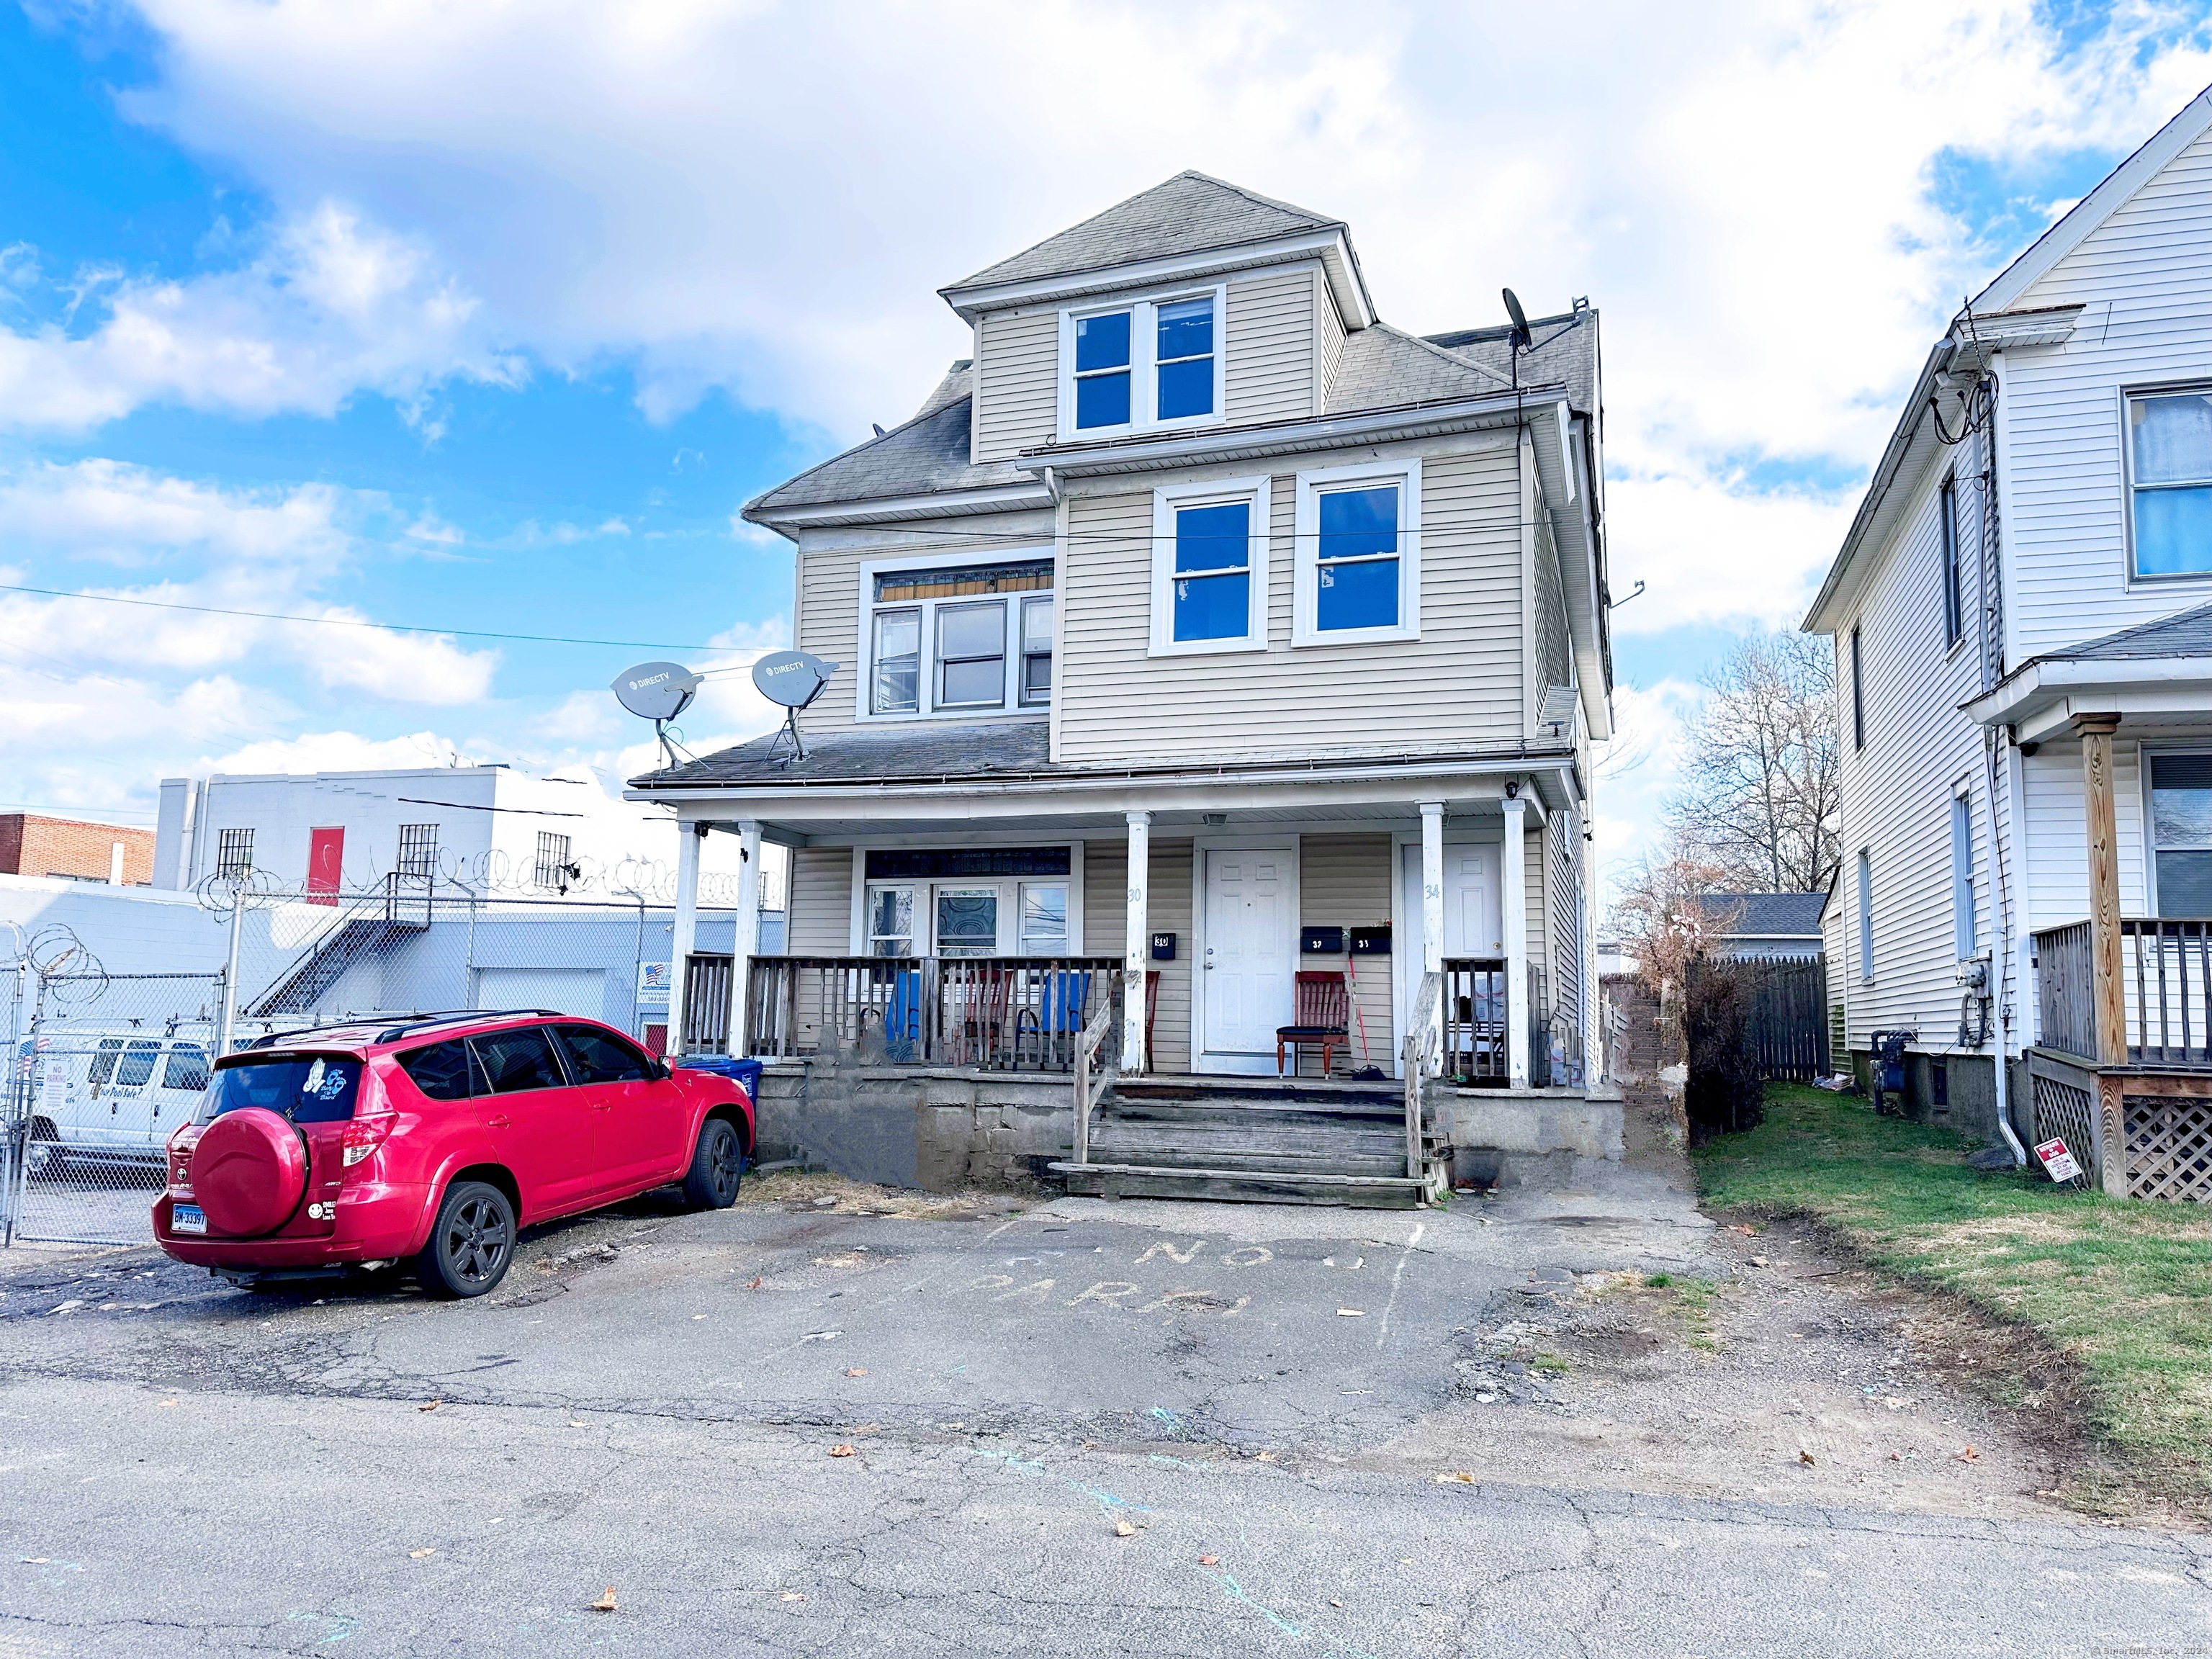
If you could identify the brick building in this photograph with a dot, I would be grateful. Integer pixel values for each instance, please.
(32, 845)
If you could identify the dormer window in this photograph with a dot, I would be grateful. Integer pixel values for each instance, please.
(1136, 365)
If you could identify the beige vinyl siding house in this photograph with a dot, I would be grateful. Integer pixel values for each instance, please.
(2073, 712)
(1187, 646)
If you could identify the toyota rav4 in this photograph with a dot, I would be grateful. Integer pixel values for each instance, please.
(434, 1140)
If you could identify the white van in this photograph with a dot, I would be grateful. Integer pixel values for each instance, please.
(110, 1099)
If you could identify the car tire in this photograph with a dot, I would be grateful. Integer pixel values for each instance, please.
(718, 1165)
(471, 1243)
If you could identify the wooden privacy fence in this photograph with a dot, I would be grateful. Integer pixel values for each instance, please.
(1789, 1017)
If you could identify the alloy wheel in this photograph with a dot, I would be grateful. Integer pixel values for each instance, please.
(477, 1239)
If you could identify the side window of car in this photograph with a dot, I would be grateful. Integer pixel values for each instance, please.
(597, 1056)
(104, 1058)
(514, 1062)
(137, 1065)
(444, 1070)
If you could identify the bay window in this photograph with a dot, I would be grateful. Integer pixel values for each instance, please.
(2170, 482)
(1210, 567)
(1358, 555)
(956, 639)
(1141, 363)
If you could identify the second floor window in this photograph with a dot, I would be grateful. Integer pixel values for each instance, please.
(1858, 694)
(234, 853)
(958, 639)
(418, 849)
(1358, 555)
(554, 868)
(2170, 478)
(1946, 530)
(1210, 567)
(1147, 363)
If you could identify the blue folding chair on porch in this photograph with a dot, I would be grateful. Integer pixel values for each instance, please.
(902, 1019)
(1057, 1020)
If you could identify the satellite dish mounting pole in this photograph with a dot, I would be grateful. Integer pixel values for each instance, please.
(791, 731)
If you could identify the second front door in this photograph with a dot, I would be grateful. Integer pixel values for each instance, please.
(1251, 940)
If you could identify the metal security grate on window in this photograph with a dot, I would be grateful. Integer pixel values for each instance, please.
(234, 853)
(418, 849)
(554, 869)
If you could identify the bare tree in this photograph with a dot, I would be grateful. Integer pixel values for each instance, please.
(1760, 794)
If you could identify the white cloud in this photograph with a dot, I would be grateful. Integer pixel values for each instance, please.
(106, 510)
(337, 752)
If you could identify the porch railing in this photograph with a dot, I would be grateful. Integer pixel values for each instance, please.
(1475, 1046)
(1005, 1013)
(1417, 1061)
(2165, 980)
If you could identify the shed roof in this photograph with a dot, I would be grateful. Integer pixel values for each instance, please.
(1766, 915)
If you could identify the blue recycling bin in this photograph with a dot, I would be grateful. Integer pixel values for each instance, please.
(746, 1074)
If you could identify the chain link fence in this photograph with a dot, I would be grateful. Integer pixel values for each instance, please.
(106, 1063)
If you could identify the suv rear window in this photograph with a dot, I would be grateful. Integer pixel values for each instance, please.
(306, 1089)
(444, 1070)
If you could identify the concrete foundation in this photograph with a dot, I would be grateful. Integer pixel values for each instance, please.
(1955, 1091)
(941, 1129)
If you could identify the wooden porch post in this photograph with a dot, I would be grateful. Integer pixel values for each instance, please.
(2109, 987)
(1513, 906)
(1136, 946)
(745, 941)
(687, 929)
(1432, 913)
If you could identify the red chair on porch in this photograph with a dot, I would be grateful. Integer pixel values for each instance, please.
(1320, 1013)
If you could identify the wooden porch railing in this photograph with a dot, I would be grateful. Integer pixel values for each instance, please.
(2166, 974)
(1475, 1047)
(1418, 1061)
(1093, 1075)
(1005, 1014)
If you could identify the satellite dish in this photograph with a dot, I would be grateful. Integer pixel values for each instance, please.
(1522, 338)
(792, 678)
(656, 690)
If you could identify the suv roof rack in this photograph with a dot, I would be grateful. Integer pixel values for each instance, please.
(413, 1023)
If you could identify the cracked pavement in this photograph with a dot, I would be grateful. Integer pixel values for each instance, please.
(1325, 1432)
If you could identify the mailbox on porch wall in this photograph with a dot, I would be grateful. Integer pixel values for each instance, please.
(1321, 941)
(1164, 947)
(1371, 941)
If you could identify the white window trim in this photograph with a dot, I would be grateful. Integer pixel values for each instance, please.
(1144, 342)
(1221, 492)
(1012, 707)
(2128, 394)
(1967, 921)
(1306, 553)
(925, 888)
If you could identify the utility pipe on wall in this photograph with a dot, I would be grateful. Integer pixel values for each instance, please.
(1999, 917)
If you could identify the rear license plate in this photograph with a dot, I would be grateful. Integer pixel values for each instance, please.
(187, 1218)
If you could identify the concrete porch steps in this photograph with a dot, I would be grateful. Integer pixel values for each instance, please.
(1259, 1140)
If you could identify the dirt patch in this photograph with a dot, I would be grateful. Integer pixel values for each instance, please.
(832, 1194)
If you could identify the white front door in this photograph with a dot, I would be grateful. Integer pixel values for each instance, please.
(1473, 924)
(1250, 943)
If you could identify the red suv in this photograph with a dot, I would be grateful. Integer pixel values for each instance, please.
(436, 1139)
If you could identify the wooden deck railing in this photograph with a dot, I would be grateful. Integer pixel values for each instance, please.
(2166, 977)
(1094, 1073)
(1005, 1014)
(1475, 1047)
(1418, 1062)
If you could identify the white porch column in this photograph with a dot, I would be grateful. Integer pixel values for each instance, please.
(746, 940)
(1513, 905)
(1136, 947)
(687, 927)
(1433, 915)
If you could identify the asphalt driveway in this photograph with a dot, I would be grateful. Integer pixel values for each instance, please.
(1084, 1427)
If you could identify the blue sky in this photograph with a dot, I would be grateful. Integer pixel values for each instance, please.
(489, 317)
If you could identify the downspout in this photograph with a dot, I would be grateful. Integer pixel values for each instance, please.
(2000, 955)
(1993, 621)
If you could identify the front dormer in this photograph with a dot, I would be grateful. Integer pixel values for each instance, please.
(1195, 304)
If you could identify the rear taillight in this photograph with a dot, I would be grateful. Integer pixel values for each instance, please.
(363, 1137)
(180, 1159)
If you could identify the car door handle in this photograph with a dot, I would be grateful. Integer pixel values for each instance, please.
(502, 1122)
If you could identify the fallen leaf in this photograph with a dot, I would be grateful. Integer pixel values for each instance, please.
(1806, 1458)
(1123, 1529)
(856, 1370)
(1896, 1457)
(1460, 1476)
(841, 1451)
(574, 1424)
(754, 1285)
(1969, 1455)
(168, 1402)
(793, 1596)
(606, 1601)
(1333, 1602)
(698, 1315)
(1738, 1227)
(1209, 1560)
(1760, 1261)
(416, 1555)
(429, 1405)
(1352, 1313)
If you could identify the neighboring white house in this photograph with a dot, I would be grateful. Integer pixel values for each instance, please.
(1201, 631)
(470, 830)
(2025, 667)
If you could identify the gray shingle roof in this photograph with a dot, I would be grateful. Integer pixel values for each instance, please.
(1562, 353)
(2184, 634)
(1792, 916)
(926, 454)
(1191, 213)
(912, 752)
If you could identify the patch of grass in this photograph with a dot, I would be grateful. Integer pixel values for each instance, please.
(1549, 1362)
(2122, 1288)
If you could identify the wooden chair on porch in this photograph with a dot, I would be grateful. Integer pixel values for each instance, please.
(1320, 1013)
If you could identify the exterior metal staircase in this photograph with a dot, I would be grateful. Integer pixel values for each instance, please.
(400, 909)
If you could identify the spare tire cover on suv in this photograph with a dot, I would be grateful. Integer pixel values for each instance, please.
(249, 1172)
